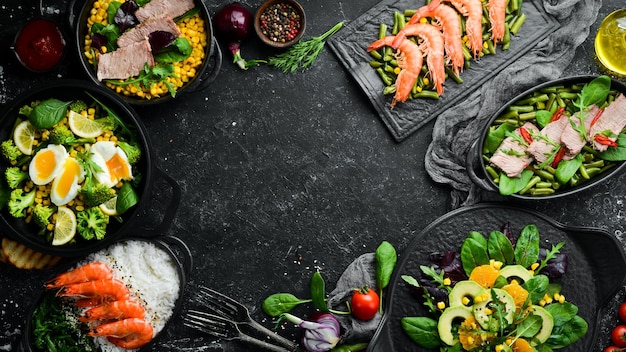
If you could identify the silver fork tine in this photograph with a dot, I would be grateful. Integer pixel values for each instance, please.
(223, 328)
(227, 307)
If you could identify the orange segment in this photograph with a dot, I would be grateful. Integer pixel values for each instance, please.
(518, 293)
(521, 345)
(485, 275)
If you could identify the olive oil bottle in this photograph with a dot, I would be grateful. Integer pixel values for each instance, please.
(610, 42)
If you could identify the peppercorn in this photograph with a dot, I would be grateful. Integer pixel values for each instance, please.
(280, 22)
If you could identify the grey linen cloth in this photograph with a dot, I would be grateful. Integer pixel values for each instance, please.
(456, 129)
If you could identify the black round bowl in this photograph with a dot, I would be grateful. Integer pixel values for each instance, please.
(476, 163)
(173, 246)
(67, 90)
(206, 73)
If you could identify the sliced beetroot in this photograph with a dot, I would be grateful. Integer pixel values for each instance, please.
(160, 39)
(98, 41)
(125, 16)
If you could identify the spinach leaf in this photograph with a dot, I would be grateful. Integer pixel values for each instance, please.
(500, 247)
(562, 312)
(280, 303)
(530, 326)
(318, 292)
(510, 185)
(568, 333)
(594, 92)
(48, 113)
(422, 330)
(527, 246)
(112, 10)
(386, 258)
(567, 168)
(478, 237)
(127, 197)
(615, 153)
(473, 254)
(543, 117)
(179, 50)
(496, 136)
(537, 286)
(111, 32)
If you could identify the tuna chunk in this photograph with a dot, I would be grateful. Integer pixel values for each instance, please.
(613, 119)
(540, 148)
(143, 30)
(125, 62)
(511, 157)
(158, 8)
(571, 139)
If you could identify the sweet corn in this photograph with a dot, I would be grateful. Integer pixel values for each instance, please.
(466, 301)
(441, 305)
(447, 281)
(534, 266)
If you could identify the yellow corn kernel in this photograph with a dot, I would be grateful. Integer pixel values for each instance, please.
(425, 80)
(441, 305)
(488, 311)
(478, 299)
(470, 340)
(50, 227)
(499, 348)
(423, 20)
(534, 266)
(465, 301)
(447, 281)
(80, 208)
(397, 70)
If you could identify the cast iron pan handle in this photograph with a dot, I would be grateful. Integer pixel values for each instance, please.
(170, 212)
(206, 81)
(471, 164)
(173, 242)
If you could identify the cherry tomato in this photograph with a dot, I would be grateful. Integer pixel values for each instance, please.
(618, 336)
(612, 349)
(364, 303)
(622, 312)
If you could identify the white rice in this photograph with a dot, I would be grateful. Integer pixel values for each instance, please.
(151, 276)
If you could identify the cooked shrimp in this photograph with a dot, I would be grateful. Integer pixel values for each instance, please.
(114, 310)
(447, 19)
(88, 272)
(432, 46)
(473, 11)
(128, 333)
(410, 59)
(96, 292)
(497, 12)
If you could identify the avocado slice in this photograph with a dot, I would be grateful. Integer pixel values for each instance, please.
(462, 289)
(444, 326)
(484, 319)
(546, 325)
(516, 271)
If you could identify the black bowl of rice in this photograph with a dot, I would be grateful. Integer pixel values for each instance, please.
(155, 272)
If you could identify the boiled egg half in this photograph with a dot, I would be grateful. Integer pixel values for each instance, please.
(47, 163)
(66, 184)
(113, 163)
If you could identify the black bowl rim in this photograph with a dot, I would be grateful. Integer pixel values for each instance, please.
(132, 217)
(591, 183)
(188, 87)
(166, 243)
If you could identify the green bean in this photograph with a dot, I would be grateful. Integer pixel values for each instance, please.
(389, 69)
(550, 169)
(510, 114)
(545, 174)
(527, 116)
(492, 172)
(467, 54)
(382, 30)
(566, 95)
(386, 79)
(376, 55)
(409, 12)
(517, 25)
(533, 100)
(544, 185)
(429, 94)
(542, 191)
(453, 75)
(560, 101)
(583, 172)
(592, 171)
(376, 64)
(506, 40)
(389, 90)
(598, 163)
(552, 89)
(509, 121)
(491, 49)
(551, 99)
(533, 181)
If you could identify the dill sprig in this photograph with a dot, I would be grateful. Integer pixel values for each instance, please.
(303, 53)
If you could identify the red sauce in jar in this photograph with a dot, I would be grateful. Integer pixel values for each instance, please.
(39, 45)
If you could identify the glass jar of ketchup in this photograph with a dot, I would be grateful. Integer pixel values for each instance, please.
(39, 45)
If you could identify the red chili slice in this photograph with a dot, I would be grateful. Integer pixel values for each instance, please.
(558, 157)
(557, 114)
(525, 135)
(605, 140)
(596, 117)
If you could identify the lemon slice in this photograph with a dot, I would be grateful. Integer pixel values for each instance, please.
(108, 207)
(83, 126)
(24, 137)
(65, 227)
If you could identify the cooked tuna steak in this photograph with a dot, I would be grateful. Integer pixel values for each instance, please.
(542, 148)
(143, 30)
(125, 62)
(570, 138)
(613, 119)
(511, 157)
(158, 8)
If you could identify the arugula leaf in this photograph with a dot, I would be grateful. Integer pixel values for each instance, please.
(551, 254)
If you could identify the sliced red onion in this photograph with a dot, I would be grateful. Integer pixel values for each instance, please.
(320, 335)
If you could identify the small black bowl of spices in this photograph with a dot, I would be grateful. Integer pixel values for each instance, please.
(280, 23)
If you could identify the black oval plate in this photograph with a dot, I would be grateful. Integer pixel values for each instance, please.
(597, 267)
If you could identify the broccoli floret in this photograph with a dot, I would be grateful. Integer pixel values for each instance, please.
(15, 176)
(20, 201)
(108, 123)
(78, 106)
(62, 135)
(10, 151)
(94, 193)
(132, 151)
(92, 223)
(42, 215)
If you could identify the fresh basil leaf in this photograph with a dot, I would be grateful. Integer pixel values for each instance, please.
(527, 247)
(594, 92)
(500, 248)
(179, 50)
(318, 292)
(511, 185)
(568, 333)
(127, 197)
(48, 113)
(496, 136)
(567, 168)
(422, 330)
(473, 254)
(615, 153)
(280, 303)
(543, 117)
(112, 10)
(537, 286)
(386, 258)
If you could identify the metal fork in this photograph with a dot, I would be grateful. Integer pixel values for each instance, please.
(223, 328)
(228, 308)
